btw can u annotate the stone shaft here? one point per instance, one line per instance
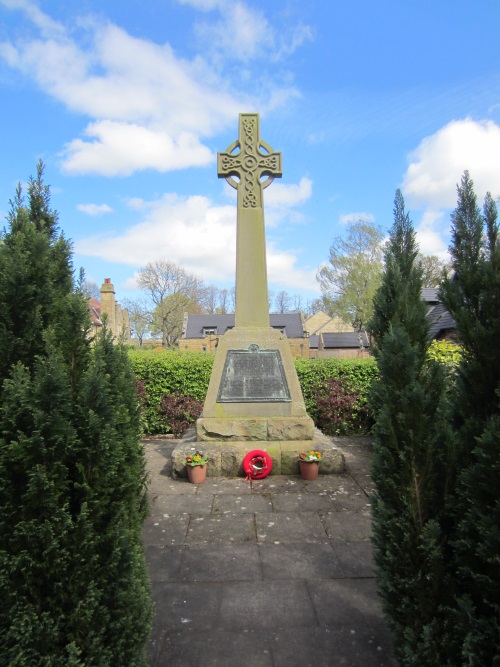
(243, 170)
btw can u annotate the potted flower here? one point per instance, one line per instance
(196, 466)
(309, 464)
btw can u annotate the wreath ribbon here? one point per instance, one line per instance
(257, 464)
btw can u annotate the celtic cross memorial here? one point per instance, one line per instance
(249, 165)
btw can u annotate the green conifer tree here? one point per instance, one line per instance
(73, 582)
(410, 453)
(472, 296)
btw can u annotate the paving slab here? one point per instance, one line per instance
(181, 605)
(340, 526)
(165, 531)
(269, 573)
(290, 527)
(265, 605)
(216, 648)
(300, 561)
(222, 529)
(185, 505)
(330, 647)
(164, 563)
(222, 562)
(301, 502)
(355, 502)
(280, 484)
(166, 486)
(356, 558)
(244, 504)
(332, 484)
(221, 486)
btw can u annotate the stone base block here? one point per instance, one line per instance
(242, 429)
(225, 458)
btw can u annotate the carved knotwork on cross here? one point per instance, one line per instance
(250, 164)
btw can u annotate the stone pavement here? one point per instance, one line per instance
(273, 573)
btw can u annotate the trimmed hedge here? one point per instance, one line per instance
(162, 372)
(353, 374)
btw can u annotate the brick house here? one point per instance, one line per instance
(442, 324)
(117, 318)
(201, 332)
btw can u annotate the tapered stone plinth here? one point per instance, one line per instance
(254, 420)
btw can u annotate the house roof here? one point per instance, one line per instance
(440, 320)
(95, 310)
(430, 295)
(195, 325)
(320, 322)
(343, 340)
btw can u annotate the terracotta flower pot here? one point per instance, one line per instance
(197, 474)
(309, 470)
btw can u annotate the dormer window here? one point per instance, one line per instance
(209, 331)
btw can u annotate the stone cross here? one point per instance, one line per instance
(254, 161)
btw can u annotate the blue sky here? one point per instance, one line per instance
(128, 104)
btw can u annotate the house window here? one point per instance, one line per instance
(209, 331)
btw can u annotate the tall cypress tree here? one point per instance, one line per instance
(472, 296)
(73, 582)
(410, 453)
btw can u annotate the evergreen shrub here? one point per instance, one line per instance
(74, 589)
(412, 453)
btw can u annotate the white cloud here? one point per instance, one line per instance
(244, 33)
(280, 195)
(430, 232)
(133, 88)
(121, 149)
(39, 18)
(349, 218)
(94, 209)
(195, 233)
(439, 161)
(282, 271)
(203, 5)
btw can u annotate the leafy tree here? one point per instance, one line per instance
(350, 281)
(472, 297)
(433, 270)
(73, 582)
(411, 454)
(172, 291)
(140, 317)
(168, 317)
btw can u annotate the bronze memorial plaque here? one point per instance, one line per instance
(253, 376)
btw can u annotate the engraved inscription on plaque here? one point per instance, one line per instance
(253, 376)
